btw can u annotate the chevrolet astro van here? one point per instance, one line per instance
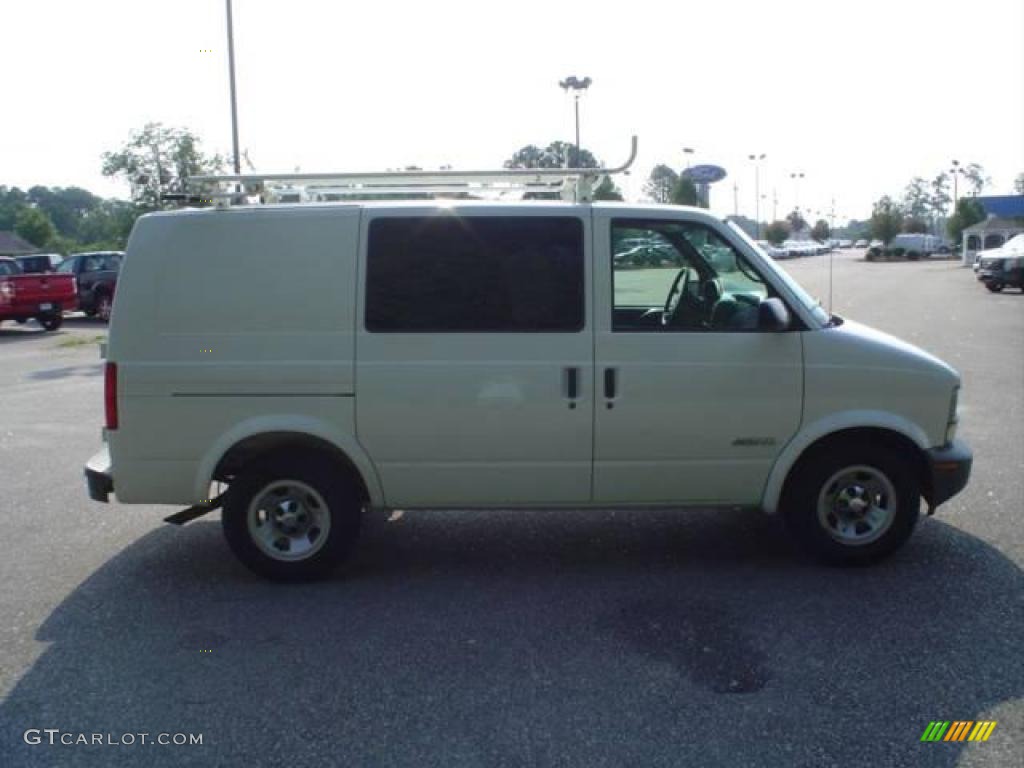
(321, 359)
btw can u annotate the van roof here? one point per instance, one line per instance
(271, 209)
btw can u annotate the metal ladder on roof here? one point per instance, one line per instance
(572, 184)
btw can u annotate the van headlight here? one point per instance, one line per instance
(953, 418)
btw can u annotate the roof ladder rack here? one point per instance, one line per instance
(573, 184)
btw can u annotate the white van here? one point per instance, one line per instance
(321, 359)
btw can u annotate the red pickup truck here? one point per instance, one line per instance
(44, 297)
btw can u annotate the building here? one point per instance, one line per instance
(1005, 219)
(12, 245)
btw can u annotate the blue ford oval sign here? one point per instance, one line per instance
(705, 174)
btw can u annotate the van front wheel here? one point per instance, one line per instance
(292, 519)
(853, 505)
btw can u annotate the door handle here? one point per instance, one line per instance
(572, 383)
(610, 382)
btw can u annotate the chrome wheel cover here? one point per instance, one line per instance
(288, 521)
(857, 505)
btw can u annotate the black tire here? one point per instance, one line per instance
(91, 312)
(20, 320)
(104, 305)
(913, 255)
(810, 482)
(51, 322)
(994, 287)
(340, 504)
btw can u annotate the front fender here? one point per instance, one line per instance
(830, 424)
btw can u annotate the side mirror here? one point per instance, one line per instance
(772, 315)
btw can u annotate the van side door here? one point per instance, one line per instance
(475, 355)
(695, 400)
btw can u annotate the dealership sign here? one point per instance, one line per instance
(704, 174)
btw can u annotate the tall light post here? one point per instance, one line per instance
(756, 159)
(576, 86)
(234, 105)
(956, 170)
(688, 151)
(796, 176)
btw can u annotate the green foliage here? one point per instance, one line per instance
(554, 155)
(796, 221)
(685, 192)
(34, 226)
(157, 160)
(886, 219)
(776, 232)
(661, 184)
(914, 225)
(968, 213)
(917, 198)
(820, 231)
(607, 190)
(976, 178)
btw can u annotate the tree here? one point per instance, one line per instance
(917, 198)
(685, 192)
(797, 222)
(554, 155)
(968, 213)
(1018, 184)
(34, 226)
(886, 219)
(912, 224)
(661, 184)
(940, 197)
(975, 176)
(607, 190)
(157, 160)
(821, 231)
(776, 232)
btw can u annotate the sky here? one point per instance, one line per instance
(860, 96)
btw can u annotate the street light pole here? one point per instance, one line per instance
(576, 85)
(757, 190)
(234, 104)
(796, 176)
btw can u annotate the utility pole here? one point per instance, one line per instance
(576, 86)
(757, 189)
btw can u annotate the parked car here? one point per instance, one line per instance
(39, 262)
(43, 297)
(473, 355)
(96, 273)
(1003, 267)
(774, 251)
(861, 244)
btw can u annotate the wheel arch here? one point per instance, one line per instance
(886, 428)
(259, 437)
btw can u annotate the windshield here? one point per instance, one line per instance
(794, 287)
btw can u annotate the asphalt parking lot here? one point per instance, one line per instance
(521, 638)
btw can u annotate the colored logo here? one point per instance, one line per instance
(958, 730)
(704, 174)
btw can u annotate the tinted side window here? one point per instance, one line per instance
(475, 274)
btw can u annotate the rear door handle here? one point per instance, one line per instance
(572, 383)
(610, 382)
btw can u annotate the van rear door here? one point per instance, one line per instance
(475, 355)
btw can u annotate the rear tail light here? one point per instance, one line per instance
(110, 395)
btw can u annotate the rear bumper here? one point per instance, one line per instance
(949, 469)
(98, 477)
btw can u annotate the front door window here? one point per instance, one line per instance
(680, 276)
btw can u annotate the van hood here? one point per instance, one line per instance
(862, 345)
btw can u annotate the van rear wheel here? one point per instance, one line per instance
(853, 505)
(293, 518)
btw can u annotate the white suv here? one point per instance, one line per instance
(321, 359)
